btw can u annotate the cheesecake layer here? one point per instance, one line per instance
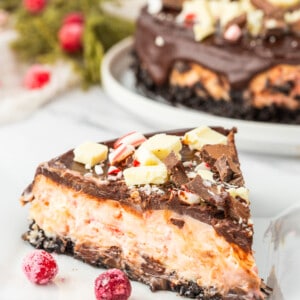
(155, 243)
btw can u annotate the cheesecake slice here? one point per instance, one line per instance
(170, 209)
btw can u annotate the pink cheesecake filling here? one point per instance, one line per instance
(193, 249)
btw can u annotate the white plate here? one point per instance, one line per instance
(118, 81)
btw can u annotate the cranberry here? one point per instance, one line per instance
(40, 267)
(74, 17)
(112, 285)
(70, 37)
(34, 6)
(36, 77)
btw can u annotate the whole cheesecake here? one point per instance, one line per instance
(170, 209)
(238, 59)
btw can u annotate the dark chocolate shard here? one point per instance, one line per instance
(237, 209)
(223, 168)
(173, 4)
(176, 169)
(208, 192)
(229, 171)
(210, 153)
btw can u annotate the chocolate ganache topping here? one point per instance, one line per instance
(219, 207)
(160, 41)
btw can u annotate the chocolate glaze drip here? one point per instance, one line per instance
(238, 62)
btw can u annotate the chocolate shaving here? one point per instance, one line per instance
(176, 169)
(207, 193)
(223, 168)
(174, 4)
(210, 153)
(229, 171)
(237, 210)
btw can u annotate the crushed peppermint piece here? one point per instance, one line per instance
(98, 170)
(148, 189)
(133, 138)
(112, 170)
(136, 163)
(88, 174)
(154, 6)
(191, 174)
(202, 166)
(189, 197)
(120, 153)
(190, 19)
(233, 33)
(188, 164)
(159, 41)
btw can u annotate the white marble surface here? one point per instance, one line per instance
(79, 116)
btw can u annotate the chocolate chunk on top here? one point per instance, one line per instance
(174, 4)
(208, 193)
(236, 209)
(229, 171)
(176, 169)
(224, 161)
(210, 153)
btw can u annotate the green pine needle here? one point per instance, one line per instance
(38, 34)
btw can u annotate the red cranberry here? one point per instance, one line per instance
(34, 6)
(40, 267)
(74, 17)
(112, 285)
(70, 37)
(36, 77)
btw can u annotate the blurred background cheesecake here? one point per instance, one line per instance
(237, 59)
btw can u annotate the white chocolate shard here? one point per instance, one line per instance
(145, 157)
(206, 175)
(242, 192)
(161, 145)
(189, 198)
(201, 136)
(90, 153)
(255, 21)
(146, 175)
(204, 19)
(292, 17)
(230, 11)
(202, 32)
